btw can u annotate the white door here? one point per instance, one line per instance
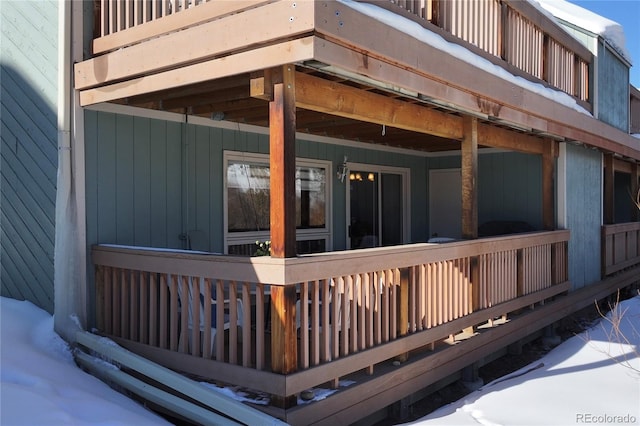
(445, 203)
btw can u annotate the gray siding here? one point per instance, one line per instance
(583, 213)
(613, 89)
(28, 80)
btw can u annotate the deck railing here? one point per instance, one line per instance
(514, 31)
(119, 15)
(361, 301)
(620, 247)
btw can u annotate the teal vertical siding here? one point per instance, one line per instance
(133, 173)
(613, 89)
(160, 183)
(28, 87)
(583, 211)
(509, 186)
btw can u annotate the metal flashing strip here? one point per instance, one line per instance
(239, 413)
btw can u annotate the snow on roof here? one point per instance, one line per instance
(434, 40)
(610, 30)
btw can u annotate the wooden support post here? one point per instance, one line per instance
(470, 198)
(548, 185)
(609, 188)
(282, 145)
(284, 341)
(470, 178)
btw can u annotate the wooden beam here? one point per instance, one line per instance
(470, 178)
(203, 98)
(498, 137)
(548, 185)
(246, 61)
(282, 143)
(269, 24)
(261, 85)
(620, 165)
(609, 189)
(320, 95)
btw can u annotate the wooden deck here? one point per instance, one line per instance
(351, 312)
(516, 33)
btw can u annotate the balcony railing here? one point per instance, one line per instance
(620, 247)
(513, 31)
(354, 309)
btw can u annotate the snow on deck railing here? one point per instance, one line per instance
(505, 30)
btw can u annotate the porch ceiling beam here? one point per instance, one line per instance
(320, 95)
(195, 89)
(242, 108)
(497, 137)
(203, 98)
(622, 166)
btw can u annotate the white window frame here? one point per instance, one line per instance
(250, 237)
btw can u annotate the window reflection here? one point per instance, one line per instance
(248, 197)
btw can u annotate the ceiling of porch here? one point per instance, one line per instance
(229, 99)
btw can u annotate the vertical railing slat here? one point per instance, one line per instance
(143, 306)
(233, 322)
(174, 313)
(207, 296)
(220, 297)
(247, 346)
(260, 326)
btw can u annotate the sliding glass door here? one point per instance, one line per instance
(376, 207)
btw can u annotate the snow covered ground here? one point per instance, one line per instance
(593, 378)
(41, 384)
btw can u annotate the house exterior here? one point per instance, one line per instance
(434, 188)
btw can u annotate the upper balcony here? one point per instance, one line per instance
(164, 54)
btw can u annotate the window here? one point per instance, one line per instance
(247, 201)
